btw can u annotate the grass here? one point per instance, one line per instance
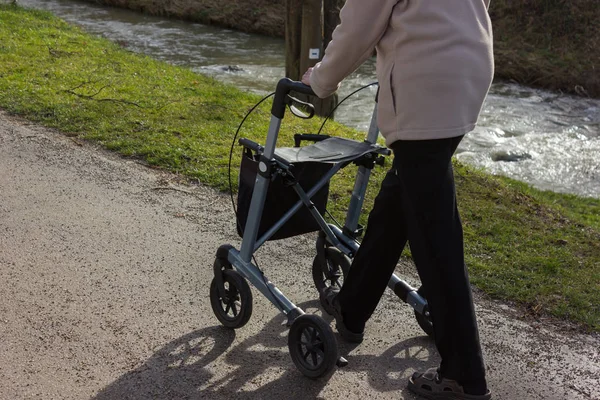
(170, 117)
(539, 249)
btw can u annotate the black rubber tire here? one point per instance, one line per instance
(235, 309)
(332, 271)
(312, 345)
(423, 320)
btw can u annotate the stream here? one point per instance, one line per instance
(547, 139)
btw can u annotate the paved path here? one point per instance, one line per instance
(104, 273)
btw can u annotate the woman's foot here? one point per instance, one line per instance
(431, 385)
(331, 305)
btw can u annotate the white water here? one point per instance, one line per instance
(549, 140)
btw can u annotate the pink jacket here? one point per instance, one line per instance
(434, 63)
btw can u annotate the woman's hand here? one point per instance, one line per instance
(306, 76)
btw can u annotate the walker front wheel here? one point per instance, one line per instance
(232, 303)
(312, 345)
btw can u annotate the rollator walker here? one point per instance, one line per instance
(282, 193)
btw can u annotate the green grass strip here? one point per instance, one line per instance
(539, 249)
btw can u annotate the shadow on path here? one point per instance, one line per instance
(259, 367)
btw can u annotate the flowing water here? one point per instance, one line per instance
(549, 140)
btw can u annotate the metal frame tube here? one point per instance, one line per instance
(350, 243)
(260, 194)
(260, 282)
(362, 181)
(412, 297)
(322, 182)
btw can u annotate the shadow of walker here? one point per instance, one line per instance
(259, 367)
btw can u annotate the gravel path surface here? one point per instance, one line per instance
(104, 273)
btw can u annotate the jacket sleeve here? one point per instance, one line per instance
(363, 23)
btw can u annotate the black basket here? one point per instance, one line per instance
(281, 197)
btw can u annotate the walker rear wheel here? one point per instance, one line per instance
(312, 345)
(232, 304)
(331, 269)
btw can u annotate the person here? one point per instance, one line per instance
(434, 67)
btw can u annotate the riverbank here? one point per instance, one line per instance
(523, 244)
(550, 45)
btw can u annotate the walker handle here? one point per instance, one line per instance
(284, 87)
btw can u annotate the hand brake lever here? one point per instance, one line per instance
(292, 102)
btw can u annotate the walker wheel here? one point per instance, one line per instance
(424, 320)
(234, 308)
(331, 270)
(312, 345)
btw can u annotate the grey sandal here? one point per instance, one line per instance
(432, 386)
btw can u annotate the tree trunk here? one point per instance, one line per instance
(304, 37)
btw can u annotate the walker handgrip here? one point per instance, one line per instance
(284, 87)
(249, 144)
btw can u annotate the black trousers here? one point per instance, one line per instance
(417, 203)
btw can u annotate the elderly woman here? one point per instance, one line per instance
(435, 67)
